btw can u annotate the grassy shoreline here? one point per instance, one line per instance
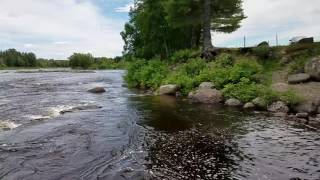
(244, 74)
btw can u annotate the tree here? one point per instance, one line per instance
(83, 61)
(160, 27)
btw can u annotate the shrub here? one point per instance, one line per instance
(224, 60)
(186, 75)
(78, 60)
(291, 98)
(262, 52)
(249, 69)
(185, 55)
(297, 66)
(146, 74)
(220, 76)
(245, 90)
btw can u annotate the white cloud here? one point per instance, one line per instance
(124, 9)
(28, 45)
(266, 18)
(58, 28)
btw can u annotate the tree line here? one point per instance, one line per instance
(14, 58)
(161, 27)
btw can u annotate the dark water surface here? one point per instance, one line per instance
(104, 136)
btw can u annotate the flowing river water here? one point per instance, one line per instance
(52, 128)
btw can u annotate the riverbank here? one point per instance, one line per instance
(281, 80)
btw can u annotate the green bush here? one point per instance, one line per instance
(185, 55)
(146, 74)
(249, 69)
(220, 76)
(106, 63)
(262, 52)
(82, 61)
(297, 65)
(245, 90)
(224, 60)
(186, 75)
(291, 98)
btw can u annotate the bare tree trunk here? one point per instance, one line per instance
(207, 42)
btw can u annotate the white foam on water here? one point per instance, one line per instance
(8, 125)
(37, 117)
(56, 111)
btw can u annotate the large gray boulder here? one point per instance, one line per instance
(169, 89)
(233, 102)
(278, 107)
(313, 68)
(260, 103)
(207, 96)
(298, 78)
(206, 85)
(97, 90)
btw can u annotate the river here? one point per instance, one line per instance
(52, 128)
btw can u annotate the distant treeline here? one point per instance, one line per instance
(87, 61)
(12, 58)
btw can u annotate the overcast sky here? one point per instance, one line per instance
(57, 28)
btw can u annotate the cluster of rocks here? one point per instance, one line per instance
(311, 72)
(192, 154)
(207, 94)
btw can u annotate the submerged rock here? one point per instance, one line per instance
(207, 96)
(170, 89)
(206, 85)
(298, 78)
(97, 90)
(313, 68)
(302, 115)
(80, 108)
(278, 107)
(233, 102)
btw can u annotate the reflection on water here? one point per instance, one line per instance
(67, 133)
(262, 147)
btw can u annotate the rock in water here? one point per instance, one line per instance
(302, 115)
(233, 102)
(206, 85)
(298, 78)
(313, 68)
(278, 107)
(207, 96)
(260, 103)
(249, 105)
(97, 90)
(169, 89)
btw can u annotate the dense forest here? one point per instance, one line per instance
(159, 28)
